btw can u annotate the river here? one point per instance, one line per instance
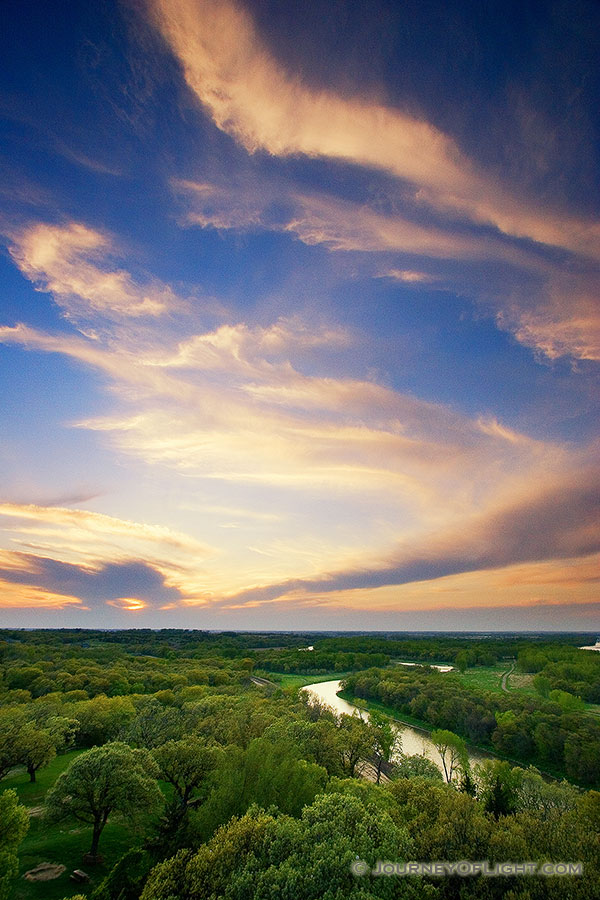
(414, 740)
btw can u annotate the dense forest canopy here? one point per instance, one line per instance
(188, 765)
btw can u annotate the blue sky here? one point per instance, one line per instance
(299, 315)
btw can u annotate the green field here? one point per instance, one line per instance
(290, 680)
(62, 844)
(486, 678)
(489, 678)
(520, 682)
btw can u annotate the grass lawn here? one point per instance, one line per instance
(486, 678)
(33, 794)
(519, 682)
(64, 843)
(290, 680)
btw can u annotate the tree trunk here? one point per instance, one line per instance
(445, 768)
(31, 772)
(96, 838)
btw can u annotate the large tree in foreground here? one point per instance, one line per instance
(310, 858)
(14, 823)
(102, 781)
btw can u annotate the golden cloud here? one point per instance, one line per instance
(249, 95)
(70, 261)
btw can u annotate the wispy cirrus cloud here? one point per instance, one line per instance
(547, 306)
(340, 225)
(76, 264)
(250, 95)
(239, 405)
(229, 404)
(96, 532)
(408, 276)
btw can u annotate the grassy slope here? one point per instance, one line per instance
(65, 843)
(288, 680)
(488, 678)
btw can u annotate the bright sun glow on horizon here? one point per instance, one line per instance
(295, 335)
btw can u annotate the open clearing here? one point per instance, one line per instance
(61, 845)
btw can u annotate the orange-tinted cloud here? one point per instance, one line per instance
(73, 262)
(52, 582)
(444, 493)
(547, 307)
(560, 521)
(249, 95)
(26, 596)
(131, 604)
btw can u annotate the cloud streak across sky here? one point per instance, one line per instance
(250, 95)
(322, 358)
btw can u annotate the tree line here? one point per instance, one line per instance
(528, 728)
(236, 791)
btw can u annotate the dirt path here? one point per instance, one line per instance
(262, 682)
(503, 683)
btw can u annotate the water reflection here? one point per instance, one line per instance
(415, 741)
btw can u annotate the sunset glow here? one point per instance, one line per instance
(294, 335)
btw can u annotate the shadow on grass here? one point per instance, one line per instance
(63, 843)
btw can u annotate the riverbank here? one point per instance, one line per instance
(292, 680)
(426, 728)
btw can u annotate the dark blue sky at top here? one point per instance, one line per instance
(79, 84)
(98, 126)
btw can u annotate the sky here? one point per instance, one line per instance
(299, 315)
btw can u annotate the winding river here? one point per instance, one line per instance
(414, 740)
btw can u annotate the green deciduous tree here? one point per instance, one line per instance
(154, 725)
(260, 856)
(452, 750)
(11, 721)
(14, 823)
(268, 774)
(462, 660)
(568, 702)
(102, 781)
(387, 742)
(354, 743)
(186, 765)
(418, 767)
(126, 879)
(35, 747)
(102, 718)
(498, 786)
(542, 685)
